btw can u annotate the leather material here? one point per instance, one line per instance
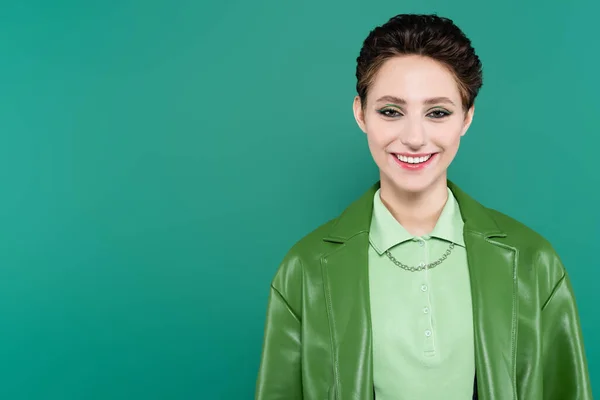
(528, 343)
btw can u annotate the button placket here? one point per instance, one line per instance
(428, 335)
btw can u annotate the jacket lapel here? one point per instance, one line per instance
(346, 282)
(492, 267)
(493, 273)
(345, 276)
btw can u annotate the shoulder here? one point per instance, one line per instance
(521, 234)
(304, 254)
(533, 249)
(302, 262)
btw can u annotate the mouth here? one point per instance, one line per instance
(414, 162)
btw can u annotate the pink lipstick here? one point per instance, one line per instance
(414, 162)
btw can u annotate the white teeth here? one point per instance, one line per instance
(413, 160)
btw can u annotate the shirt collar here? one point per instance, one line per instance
(386, 232)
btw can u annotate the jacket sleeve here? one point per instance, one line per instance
(565, 366)
(279, 376)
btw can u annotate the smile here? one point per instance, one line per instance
(414, 160)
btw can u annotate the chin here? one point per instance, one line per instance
(413, 185)
(413, 188)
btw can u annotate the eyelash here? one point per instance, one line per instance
(384, 112)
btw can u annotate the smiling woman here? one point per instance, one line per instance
(419, 131)
(417, 291)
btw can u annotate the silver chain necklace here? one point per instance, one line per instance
(421, 267)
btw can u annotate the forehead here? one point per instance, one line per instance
(414, 78)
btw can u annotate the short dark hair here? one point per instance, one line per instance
(421, 34)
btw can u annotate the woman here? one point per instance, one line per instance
(417, 291)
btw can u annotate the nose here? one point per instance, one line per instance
(414, 135)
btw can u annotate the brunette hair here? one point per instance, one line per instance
(426, 35)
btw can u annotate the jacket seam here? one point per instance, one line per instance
(554, 290)
(287, 305)
(332, 329)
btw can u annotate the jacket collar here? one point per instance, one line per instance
(356, 218)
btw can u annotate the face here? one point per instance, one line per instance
(414, 120)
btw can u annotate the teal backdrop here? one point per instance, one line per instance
(158, 159)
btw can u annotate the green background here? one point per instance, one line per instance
(157, 160)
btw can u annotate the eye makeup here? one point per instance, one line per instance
(390, 110)
(439, 113)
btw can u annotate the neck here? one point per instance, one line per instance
(418, 212)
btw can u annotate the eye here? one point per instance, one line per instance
(439, 114)
(389, 112)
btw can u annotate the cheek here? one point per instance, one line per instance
(381, 133)
(447, 135)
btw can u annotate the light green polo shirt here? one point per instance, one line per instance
(422, 321)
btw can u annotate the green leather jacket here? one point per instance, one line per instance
(528, 343)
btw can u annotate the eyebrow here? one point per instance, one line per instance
(431, 101)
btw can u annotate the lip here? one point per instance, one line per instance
(414, 167)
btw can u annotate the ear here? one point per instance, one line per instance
(468, 119)
(359, 115)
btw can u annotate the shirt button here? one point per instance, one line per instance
(426, 310)
(423, 288)
(422, 265)
(421, 243)
(428, 333)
